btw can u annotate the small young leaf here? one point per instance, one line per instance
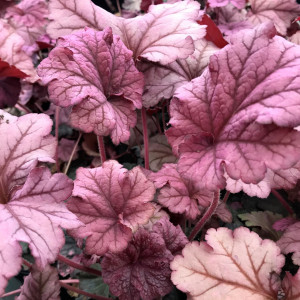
(238, 264)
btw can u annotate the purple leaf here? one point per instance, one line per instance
(219, 3)
(291, 285)
(141, 270)
(112, 202)
(41, 285)
(65, 149)
(100, 79)
(153, 41)
(228, 119)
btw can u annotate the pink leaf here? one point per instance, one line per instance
(65, 149)
(174, 237)
(229, 117)
(160, 152)
(100, 79)
(291, 286)
(238, 264)
(153, 41)
(219, 3)
(283, 224)
(223, 213)
(290, 242)
(162, 80)
(35, 214)
(295, 38)
(41, 285)
(141, 270)
(112, 202)
(280, 12)
(28, 142)
(178, 194)
(11, 44)
(31, 13)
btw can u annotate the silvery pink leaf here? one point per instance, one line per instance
(219, 3)
(280, 12)
(11, 44)
(65, 148)
(41, 285)
(291, 285)
(173, 236)
(238, 264)
(162, 80)
(100, 79)
(153, 41)
(112, 202)
(230, 117)
(179, 195)
(28, 142)
(141, 271)
(290, 242)
(160, 152)
(34, 214)
(30, 13)
(279, 179)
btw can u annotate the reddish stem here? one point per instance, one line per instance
(207, 215)
(75, 265)
(72, 154)
(146, 141)
(56, 136)
(226, 196)
(81, 292)
(26, 263)
(11, 293)
(282, 201)
(23, 108)
(101, 147)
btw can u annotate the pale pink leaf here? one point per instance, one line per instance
(280, 12)
(295, 38)
(160, 152)
(162, 80)
(290, 242)
(36, 211)
(228, 119)
(65, 148)
(112, 202)
(174, 237)
(11, 45)
(153, 41)
(30, 13)
(279, 179)
(238, 264)
(179, 195)
(100, 79)
(158, 214)
(41, 285)
(291, 286)
(219, 3)
(141, 271)
(28, 142)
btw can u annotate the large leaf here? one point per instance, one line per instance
(35, 214)
(179, 195)
(28, 142)
(100, 79)
(141, 271)
(290, 242)
(112, 202)
(41, 285)
(280, 12)
(237, 264)
(162, 80)
(154, 40)
(230, 117)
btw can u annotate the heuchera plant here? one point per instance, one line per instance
(150, 153)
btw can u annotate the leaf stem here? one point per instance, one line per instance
(23, 108)
(56, 136)
(146, 141)
(282, 201)
(26, 263)
(207, 215)
(75, 265)
(101, 147)
(227, 194)
(81, 292)
(11, 293)
(72, 154)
